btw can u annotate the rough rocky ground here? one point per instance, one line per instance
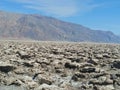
(59, 66)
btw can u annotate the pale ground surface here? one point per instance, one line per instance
(34, 65)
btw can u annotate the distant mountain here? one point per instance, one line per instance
(37, 27)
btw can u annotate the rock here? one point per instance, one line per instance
(106, 56)
(36, 75)
(102, 78)
(59, 70)
(71, 65)
(65, 84)
(6, 68)
(99, 56)
(87, 70)
(118, 75)
(116, 64)
(95, 87)
(113, 76)
(44, 80)
(43, 61)
(28, 64)
(28, 82)
(76, 76)
(19, 71)
(73, 59)
(93, 61)
(48, 87)
(26, 79)
(108, 87)
(98, 70)
(32, 85)
(16, 83)
(23, 55)
(82, 65)
(97, 75)
(104, 81)
(8, 51)
(12, 87)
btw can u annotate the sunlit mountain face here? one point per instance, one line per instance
(38, 27)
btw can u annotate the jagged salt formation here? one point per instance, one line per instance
(59, 66)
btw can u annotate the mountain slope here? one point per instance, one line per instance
(37, 27)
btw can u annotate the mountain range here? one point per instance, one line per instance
(43, 28)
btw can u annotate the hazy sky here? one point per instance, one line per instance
(95, 14)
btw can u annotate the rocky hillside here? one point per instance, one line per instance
(37, 27)
(59, 66)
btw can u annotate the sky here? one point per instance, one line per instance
(94, 14)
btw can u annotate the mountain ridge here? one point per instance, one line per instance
(38, 27)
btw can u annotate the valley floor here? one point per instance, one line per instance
(31, 65)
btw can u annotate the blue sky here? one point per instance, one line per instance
(95, 14)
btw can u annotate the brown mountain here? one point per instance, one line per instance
(37, 27)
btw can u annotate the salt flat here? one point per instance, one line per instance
(35, 65)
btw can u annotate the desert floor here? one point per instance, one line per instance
(34, 65)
